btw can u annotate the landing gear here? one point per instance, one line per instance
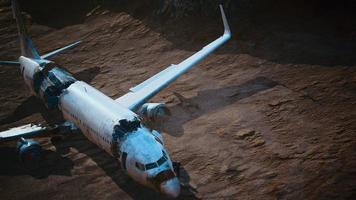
(176, 168)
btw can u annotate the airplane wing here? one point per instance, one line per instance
(29, 130)
(141, 93)
(36, 130)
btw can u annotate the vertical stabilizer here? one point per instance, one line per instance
(27, 47)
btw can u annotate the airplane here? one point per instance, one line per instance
(115, 125)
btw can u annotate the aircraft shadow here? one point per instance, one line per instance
(113, 169)
(52, 163)
(187, 189)
(34, 105)
(88, 74)
(192, 108)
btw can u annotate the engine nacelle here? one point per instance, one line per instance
(154, 112)
(29, 153)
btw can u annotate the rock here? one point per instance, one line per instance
(269, 175)
(258, 142)
(244, 133)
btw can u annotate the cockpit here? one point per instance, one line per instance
(145, 159)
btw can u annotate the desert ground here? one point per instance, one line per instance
(269, 115)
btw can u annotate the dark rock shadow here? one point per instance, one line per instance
(316, 32)
(297, 32)
(52, 163)
(210, 100)
(57, 14)
(112, 168)
(184, 178)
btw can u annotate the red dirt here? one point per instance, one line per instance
(270, 115)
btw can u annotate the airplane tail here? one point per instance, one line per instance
(27, 48)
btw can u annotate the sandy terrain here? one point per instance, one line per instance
(270, 115)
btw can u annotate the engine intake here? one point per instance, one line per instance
(29, 153)
(154, 112)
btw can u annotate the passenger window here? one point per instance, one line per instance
(123, 160)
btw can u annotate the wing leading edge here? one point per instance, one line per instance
(141, 93)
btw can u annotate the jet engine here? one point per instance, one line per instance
(154, 112)
(29, 152)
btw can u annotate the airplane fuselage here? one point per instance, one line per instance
(112, 127)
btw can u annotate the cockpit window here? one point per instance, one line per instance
(161, 160)
(149, 166)
(158, 140)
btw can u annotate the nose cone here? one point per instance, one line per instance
(171, 187)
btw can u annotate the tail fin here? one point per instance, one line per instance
(27, 47)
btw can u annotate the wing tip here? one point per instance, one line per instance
(227, 30)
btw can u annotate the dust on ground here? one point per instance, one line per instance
(270, 115)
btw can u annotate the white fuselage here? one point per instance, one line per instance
(97, 116)
(93, 112)
(115, 129)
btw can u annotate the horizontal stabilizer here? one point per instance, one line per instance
(60, 50)
(9, 63)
